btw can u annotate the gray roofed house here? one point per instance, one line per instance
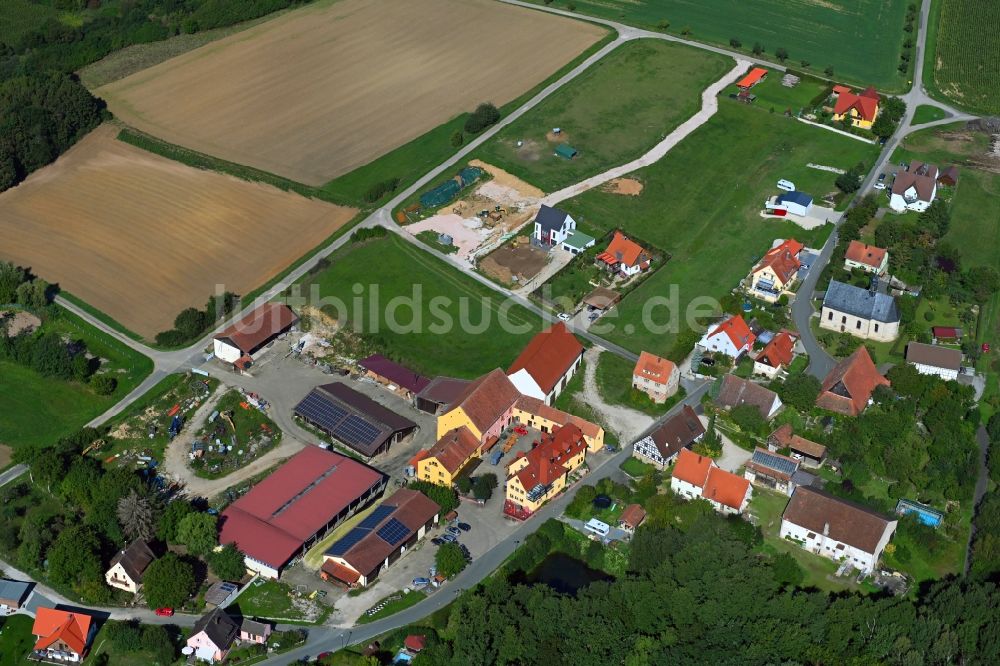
(13, 593)
(796, 197)
(212, 636)
(861, 302)
(553, 226)
(735, 391)
(550, 218)
(680, 431)
(934, 360)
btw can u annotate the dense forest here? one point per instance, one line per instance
(44, 109)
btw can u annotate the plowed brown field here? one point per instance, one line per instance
(327, 88)
(141, 237)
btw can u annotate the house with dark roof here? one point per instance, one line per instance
(547, 363)
(624, 256)
(864, 313)
(944, 362)
(354, 419)
(696, 476)
(439, 394)
(61, 636)
(392, 528)
(243, 342)
(735, 391)
(397, 378)
(552, 226)
(732, 337)
(865, 257)
(948, 176)
(212, 636)
(849, 386)
(835, 528)
(777, 354)
(915, 188)
(776, 472)
(252, 631)
(680, 431)
(292, 508)
(859, 109)
(775, 273)
(795, 203)
(535, 477)
(808, 452)
(128, 566)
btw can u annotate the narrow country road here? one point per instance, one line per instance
(982, 485)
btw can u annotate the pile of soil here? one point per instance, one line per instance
(626, 186)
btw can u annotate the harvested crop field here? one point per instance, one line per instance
(141, 238)
(325, 89)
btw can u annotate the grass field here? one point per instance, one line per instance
(776, 98)
(456, 327)
(926, 114)
(292, 96)
(612, 113)
(861, 39)
(141, 238)
(700, 204)
(15, 639)
(410, 598)
(964, 69)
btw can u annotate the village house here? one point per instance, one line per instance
(809, 453)
(732, 337)
(661, 447)
(776, 472)
(848, 388)
(777, 354)
(243, 343)
(534, 413)
(213, 636)
(445, 460)
(774, 274)
(915, 188)
(632, 517)
(624, 257)
(485, 407)
(859, 109)
(547, 363)
(697, 476)
(61, 636)
(252, 631)
(944, 362)
(871, 259)
(552, 226)
(835, 528)
(128, 566)
(656, 377)
(735, 391)
(864, 313)
(535, 477)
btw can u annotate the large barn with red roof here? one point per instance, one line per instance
(547, 363)
(290, 510)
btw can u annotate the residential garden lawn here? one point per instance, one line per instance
(612, 113)
(798, 365)
(409, 598)
(273, 600)
(38, 410)
(459, 334)
(700, 203)
(103, 652)
(926, 113)
(636, 468)
(614, 381)
(966, 30)
(861, 39)
(773, 97)
(929, 554)
(15, 639)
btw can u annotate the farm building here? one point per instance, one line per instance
(445, 460)
(864, 313)
(866, 257)
(547, 363)
(915, 188)
(753, 77)
(934, 360)
(624, 256)
(861, 109)
(662, 446)
(354, 419)
(291, 509)
(397, 378)
(552, 226)
(848, 388)
(439, 393)
(395, 525)
(244, 341)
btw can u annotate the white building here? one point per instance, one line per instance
(247, 339)
(553, 226)
(915, 188)
(732, 337)
(793, 203)
(836, 529)
(128, 567)
(695, 476)
(934, 360)
(866, 257)
(863, 313)
(547, 364)
(661, 447)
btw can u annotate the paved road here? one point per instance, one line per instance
(12, 473)
(323, 639)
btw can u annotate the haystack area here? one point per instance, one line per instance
(141, 237)
(327, 88)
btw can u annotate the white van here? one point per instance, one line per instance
(786, 185)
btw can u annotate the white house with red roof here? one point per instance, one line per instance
(696, 476)
(624, 256)
(61, 636)
(775, 273)
(777, 354)
(866, 257)
(732, 337)
(244, 341)
(547, 364)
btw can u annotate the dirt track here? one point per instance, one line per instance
(141, 238)
(327, 88)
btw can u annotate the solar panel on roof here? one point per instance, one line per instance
(344, 543)
(393, 532)
(774, 462)
(377, 516)
(321, 412)
(356, 429)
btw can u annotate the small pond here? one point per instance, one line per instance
(562, 573)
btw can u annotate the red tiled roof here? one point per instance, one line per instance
(946, 332)
(546, 462)
(863, 253)
(621, 250)
(415, 642)
(259, 327)
(486, 399)
(654, 367)
(866, 104)
(850, 384)
(692, 468)
(541, 410)
(783, 260)
(633, 515)
(838, 89)
(395, 373)
(272, 521)
(53, 625)
(737, 330)
(725, 488)
(753, 77)
(549, 356)
(340, 572)
(778, 351)
(454, 449)
(784, 437)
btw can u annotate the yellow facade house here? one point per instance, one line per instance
(542, 473)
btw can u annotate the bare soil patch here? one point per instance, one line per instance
(627, 186)
(141, 237)
(512, 264)
(552, 137)
(507, 179)
(17, 322)
(293, 95)
(6, 455)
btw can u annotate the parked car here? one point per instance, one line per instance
(165, 612)
(448, 538)
(421, 582)
(465, 551)
(879, 186)
(465, 527)
(786, 185)
(437, 541)
(565, 316)
(881, 178)
(455, 531)
(521, 430)
(433, 571)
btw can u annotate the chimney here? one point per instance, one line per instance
(826, 529)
